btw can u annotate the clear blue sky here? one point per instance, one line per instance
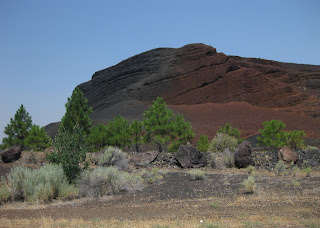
(49, 47)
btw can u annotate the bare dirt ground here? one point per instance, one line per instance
(218, 201)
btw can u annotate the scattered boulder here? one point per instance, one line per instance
(190, 157)
(10, 155)
(287, 156)
(144, 159)
(243, 156)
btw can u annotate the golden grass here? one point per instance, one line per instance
(243, 221)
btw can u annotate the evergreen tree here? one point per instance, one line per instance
(181, 133)
(157, 123)
(17, 129)
(229, 130)
(136, 130)
(273, 134)
(77, 112)
(119, 132)
(70, 149)
(203, 143)
(97, 139)
(37, 138)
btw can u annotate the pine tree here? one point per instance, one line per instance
(38, 138)
(136, 130)
(97, 139)
(229, 130)
(203, 143)
(118, 132)
(157, 123)
(273, 134)
(181, 133)
(17, 129)
(77, 112)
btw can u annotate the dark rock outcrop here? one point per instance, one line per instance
(190, 157)
(10, 155)
(243, 156)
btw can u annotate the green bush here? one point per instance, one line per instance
(212, 160)
(228, 158)
(98, 136)
(222, 142)
(229, 130)
(38, 139)
(5, 193)
(107, 181)
(203, 143)
(250, 169)
(307, 171)
(42, 185)
(197, 174)
(151, 177)
(113, 156)
(273, 135)
(70, 151)
(174, 146)
(249, 184)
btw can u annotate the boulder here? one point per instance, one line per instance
(144, 159)
(190, 157)
(243, 156)
(287, 156)
(10, 155)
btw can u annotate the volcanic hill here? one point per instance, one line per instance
(209, 89)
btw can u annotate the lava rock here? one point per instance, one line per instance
(10, 155)
(190, 157)
(287, 156)
(243, 156)
(144, 159)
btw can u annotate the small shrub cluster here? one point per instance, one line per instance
(251, 170)
(249, 184)
(280, 168)
(152, 177)
(42, 185)
(197, 174)
(107, 181)
(113, 156)
(229, 130)
(5, 193)
(203, 143)
(307, 171)
(222, 142)
(228, 158)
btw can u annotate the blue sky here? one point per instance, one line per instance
(49, 47)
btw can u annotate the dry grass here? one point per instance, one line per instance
(243, 221)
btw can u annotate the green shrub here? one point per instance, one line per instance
(250, 169)
(107, 181)
(280, 168)
(174, 146)
(113, 156)
(98, 136)
(70, 151)
(5, 193)
(222, 142)
(307, 171)
(229, 130)
(274, 135)
(38, 139)
(42, 185)
(294, 170)
(151, 177)
(212, 160)
(68, 191)
(203, 143)
(249, 184)
(295, 183)
(228, 158)
(197, 174)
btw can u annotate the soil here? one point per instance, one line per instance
(219, 196)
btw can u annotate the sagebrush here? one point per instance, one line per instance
(221, 142)
(113, 156)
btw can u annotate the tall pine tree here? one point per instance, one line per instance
(157, 123)
(17, 130)
(77, 112)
